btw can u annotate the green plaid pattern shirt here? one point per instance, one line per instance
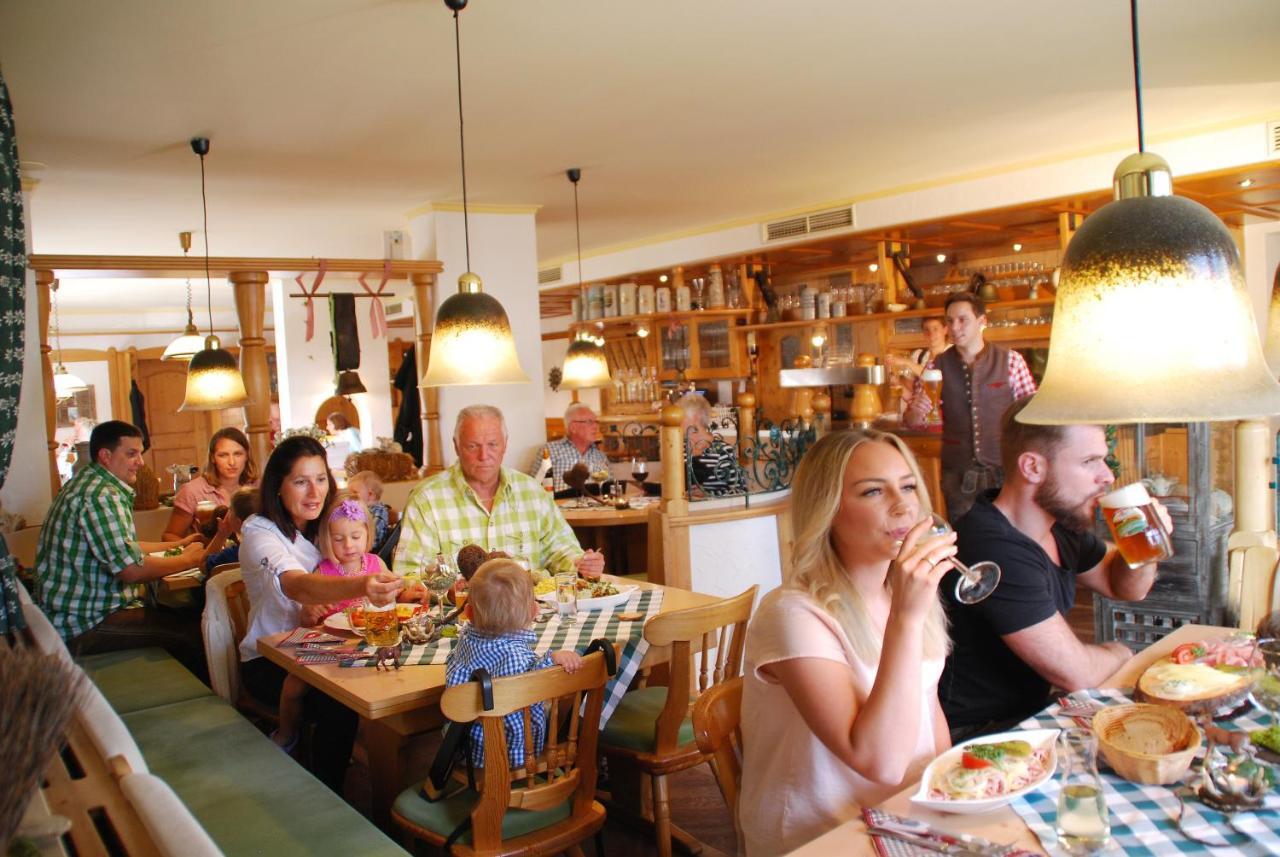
(87, 539)
(443, 514)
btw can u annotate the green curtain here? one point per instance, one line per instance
(13, 311)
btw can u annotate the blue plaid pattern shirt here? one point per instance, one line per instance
(502, 655)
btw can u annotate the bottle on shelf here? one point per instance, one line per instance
(684, 299)
(663, 299)
(715, 288)
(644, 300)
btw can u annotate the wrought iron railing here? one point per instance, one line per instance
(764, 462)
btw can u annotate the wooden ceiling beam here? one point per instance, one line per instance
(179, 267)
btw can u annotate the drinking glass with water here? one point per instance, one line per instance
(1083, 825)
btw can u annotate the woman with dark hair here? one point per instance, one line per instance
(277, 555)
(230, 467)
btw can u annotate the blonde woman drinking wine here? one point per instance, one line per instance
(840, 703)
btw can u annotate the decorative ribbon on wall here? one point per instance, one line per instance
(377, 316)
(310, 293)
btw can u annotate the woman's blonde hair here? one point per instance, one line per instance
(367, 478)
(500, 594)
(345, 505)
(816, 494)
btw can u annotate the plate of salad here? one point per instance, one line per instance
(985, 773)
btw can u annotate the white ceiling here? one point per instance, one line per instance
(330, 119)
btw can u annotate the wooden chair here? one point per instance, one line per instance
(546, 807)
(223, 625)
(717, 727)
(650, 731)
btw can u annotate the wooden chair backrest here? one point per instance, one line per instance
(238, 608)
(566, 768)
(717, 727)
(719, 631)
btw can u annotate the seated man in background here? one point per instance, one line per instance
(89, 559)
(478, 501)
(1010, 649)
(578, 445)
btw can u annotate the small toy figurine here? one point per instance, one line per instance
(385, 654)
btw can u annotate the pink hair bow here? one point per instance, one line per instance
(349, 509)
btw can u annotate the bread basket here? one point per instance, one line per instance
(1152, 744)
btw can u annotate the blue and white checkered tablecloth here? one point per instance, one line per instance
(626, 634)
(1143, 817)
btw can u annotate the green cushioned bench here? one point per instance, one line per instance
(248, 795)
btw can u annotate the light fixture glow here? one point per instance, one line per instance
(642, 330)
(662, 278)
(873, 267)
(1152, 320)
(585, 363)
(1017, 248)
(472, 342)
(1245, 183)
(65, 384)
(942, 257)
(213, 380)
(818, 339)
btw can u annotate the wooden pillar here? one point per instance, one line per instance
(424, 314)
(675, 498)
(1068, 223)
(44, 281)
(250, 288)
(746, 417)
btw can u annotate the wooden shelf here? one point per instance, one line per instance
(994, 306)
(665, 317)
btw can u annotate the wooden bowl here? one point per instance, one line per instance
(1144, 743)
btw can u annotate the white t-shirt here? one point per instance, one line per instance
(265, 554)
(796, 788)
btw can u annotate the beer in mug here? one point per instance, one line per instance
(931, 380)
(1135, 527)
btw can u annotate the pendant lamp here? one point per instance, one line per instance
(186, 345)
(213, 380)
(1152, 321)
(471, 342)
(585, 364)
(349, 383)
(65, 384)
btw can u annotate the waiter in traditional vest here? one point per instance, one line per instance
(979, 380)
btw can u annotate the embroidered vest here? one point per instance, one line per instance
(973, 400)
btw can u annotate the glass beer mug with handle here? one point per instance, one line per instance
(1136, 528)
(381, 624)
(976, 581)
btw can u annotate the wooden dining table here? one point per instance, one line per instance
(1002, 825)
(396, 705)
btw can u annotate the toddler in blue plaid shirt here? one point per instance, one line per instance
(501, 608)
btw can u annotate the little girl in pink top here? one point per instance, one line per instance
(840, 693)
(346, 537)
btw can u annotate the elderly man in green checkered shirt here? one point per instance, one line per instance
(89, 557)
(478, 501)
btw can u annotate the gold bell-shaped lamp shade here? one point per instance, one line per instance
(185, 346)
(349, 383)
(65, 384)
(472, 342)
(1152, 322)
(1272, 347)
(584, 365)
(213, 380)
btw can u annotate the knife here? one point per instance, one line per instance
(912, 827)
(926, 842)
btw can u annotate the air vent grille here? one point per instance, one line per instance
(1273, 138)
(807, 224)
(549, 275)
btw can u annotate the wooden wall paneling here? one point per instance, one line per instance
(176, 437)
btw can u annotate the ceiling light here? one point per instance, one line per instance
(65, 385)
(186, 345)
(349, 383)
(585, 364)
(471, 342)
(642, 330)
(942, 257)
(1245, 182)
(662, 278)
(213, 380)
(1152, 320)
(1017, 248)
(818, 339)
(873, 267)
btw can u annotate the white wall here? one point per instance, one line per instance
(504, 254)
(96, 374)
(727, 557)
(305, 369)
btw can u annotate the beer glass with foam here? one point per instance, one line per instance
(1131, 517)
(931, 380)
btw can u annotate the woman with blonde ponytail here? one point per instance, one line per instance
(840, 703)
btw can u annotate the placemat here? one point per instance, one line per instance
(626, 634)
(1144, 817)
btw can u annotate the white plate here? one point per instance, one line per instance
(338, 622)
(585, 604)
(1037, 738)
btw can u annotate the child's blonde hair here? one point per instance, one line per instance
(500, 595)
(370, 480)
(346, 506)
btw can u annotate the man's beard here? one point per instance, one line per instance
(1077, 518)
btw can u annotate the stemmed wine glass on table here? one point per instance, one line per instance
(639, 472)
(439, 580)
(976, 581)
(1266, 686)
(599, 477)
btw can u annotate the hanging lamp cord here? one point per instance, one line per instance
(191, 320)
(208, 282)
(462, 137)
(577, 231)
(1137, 70)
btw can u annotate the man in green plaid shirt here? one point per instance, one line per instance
(89, 558)
(478, 501)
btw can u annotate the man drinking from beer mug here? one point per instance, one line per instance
(1009, 650)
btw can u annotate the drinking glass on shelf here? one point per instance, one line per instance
(976, 581)
(567, 596)
(1266, 685)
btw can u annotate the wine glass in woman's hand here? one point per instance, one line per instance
(976, 581)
